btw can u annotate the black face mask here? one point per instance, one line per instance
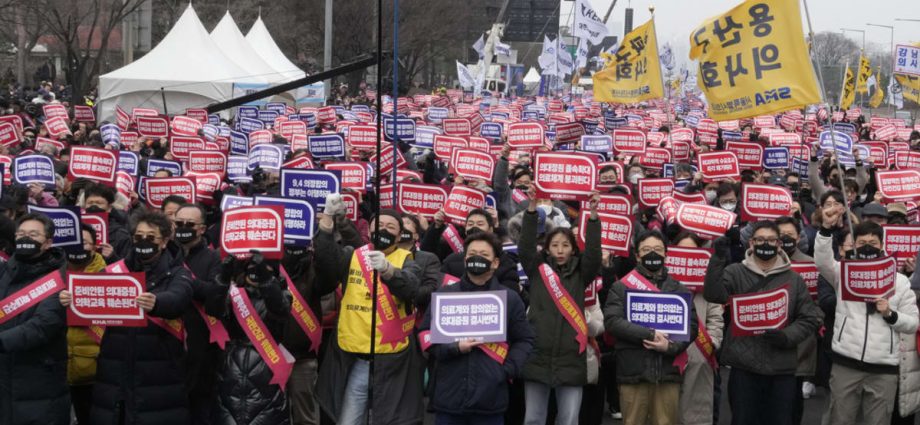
(794, 187)
(27, 247)
(477, 265)
(383, 240)
(867, 252)
(185, 235)
(765, 251)
(145, 250)
(522, 187)
(95, 209)
(405, 236)
(788, 244)
(79, 257)
(653, 261)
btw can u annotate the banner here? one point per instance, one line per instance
(809, 273)
(633, 73)
(33, 169)
(67, 234)
(57, 127)
(611, 203)
(629, 141)
(901, 242)
(457, 315)
(564, 176)
(299, 218)
(715, 166)
(362, 137)
(9, 137)
(461, 201)
(848, 91)
(105, 299)
(707, 221)
(275, 356)
(616, 232)
(100, 223)
(750, 155)
(588, 25)
(269, 157)
(652, 191)
(180, 146)
(668, 313)
(94, 164)
(525, 135)
(753, 60)
(129, 162)
(207, 161)
(354, 174)
(473, 164)
(688, 265)
(444, 146)
(754, 314)
(83, 113)
(865, 70)
(868, 280)
(327, 146)
(157, 189)
(17, 302)
(152, 126)
(185, 126)
(898, 185)
(776, 158)
(154, 165)
(907, 60)
(764, 202)
(310, 185)
(259, 228)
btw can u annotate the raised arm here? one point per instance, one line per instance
(714, 289)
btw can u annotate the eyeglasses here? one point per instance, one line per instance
(759, 240)
(186, 224)
(874, 244)
(148, 238)
(648, 249)
(32, 234)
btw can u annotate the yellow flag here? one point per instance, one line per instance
(848, 92)
(910, 86)
(675, 85)
(877, 97)
(865, 71)
(634, 74)
(753, 60)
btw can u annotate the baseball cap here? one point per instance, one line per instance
(897, 207)
(874, 209)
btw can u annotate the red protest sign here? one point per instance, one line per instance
(105, 299)
(904, 160)
(680, 151)
(362, 137)
(152, 126)
(259, 228)
(8, 135)
(754, 314)
(707, 221)
(809, 273)
(473, 164)
(207, 161)
(157, 189)
(718, 166)
(566, 176)
(868, 280)
(630, 141)
(57, 127)
(688, 265)
(482, 144)
(902, 242)
(351, 205)
(94, 164)
(652, 191)
(354, 174)
(180, 146)
(289, 129)
(750, 155)
(41, 143)
(100, 223)
(611, 203)
(55, 110)
(461, 201)
(525, 135)
(764, 202)
(689, 198)
(765, 121)
(199, 114)
(444, 146)
(422, 199)
(682, 135)
(655, 158)
(457, 127)
(898, 185)
(389, 158)
(569, 132)
(185, 126)
(616, 232)
(785, 139)
(205, 186)
(83, 113)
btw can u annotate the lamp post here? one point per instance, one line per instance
(861, 52)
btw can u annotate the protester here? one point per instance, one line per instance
(98, 198)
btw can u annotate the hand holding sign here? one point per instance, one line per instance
(146, 301)
(659, 344)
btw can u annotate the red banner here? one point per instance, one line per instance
(611, 204)
(106, 299)
(25, 298)
(444, 146)
(8, 135)
(785, 139)
(274, 355)
(898, 185)
(205, 186)
(655, 158)
(525, 135)
(100, 223)
(303, 314)
(868, 280)
(754, 314)
(473, 164)
(57, 127)
(902, 242)
(362, 137)
(94, 164)
(716, 166)
(569, 132)
(652, 191)
(180, 146)
(707, 221)
(457, 127)
(207, 161)
(159, 188)
(461, 201)
(630, 141)
(421, 199)
(565, 176)
(764, 202)
(258, 228)
(688, 265)
(810, 274)
(55, 110)
(83, 113)
(750, 155)
(354, 174)
(185, 126)
(616, 232)
(289, 129)
(904, 159)
(152, 126)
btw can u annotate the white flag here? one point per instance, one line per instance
(588, 24)
(480, 46)
(547, 58)
(581, 57)
(870, 82)
(666, 57)
(565, 64)
(465, 76)
(895, 97)
(502, 49)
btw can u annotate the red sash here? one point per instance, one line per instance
(449, 279)
(703, 341)
(304, 315)
(452, 237)
(566, 305)
(95, 333)
(392, 329)
(518, 195)
(216, 329)
(497, 351)
(174, 327)
(31, 295)
(275, 356)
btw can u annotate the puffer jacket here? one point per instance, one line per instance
(555, 360)
(594, 317)
(635, 363)
(753, 353)
(33, 374)
(82, 349)
(863, 339)
(908, 375)
(244, 392)
(140, 378)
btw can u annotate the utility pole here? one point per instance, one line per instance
(327, 49)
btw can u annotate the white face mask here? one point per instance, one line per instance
(728, 206)
(634, 178)
(547, 209)
(710, 196)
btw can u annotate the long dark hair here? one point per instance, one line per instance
(564, 231)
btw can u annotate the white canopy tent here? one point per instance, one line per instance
(263, 43)
(187, 65)
(230, 40)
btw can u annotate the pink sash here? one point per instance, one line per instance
(30, 296)
(452, 237)
(393, 330)
(275, 356)
(566, 305)
(216, 329)
(497, 351)
(303, 315)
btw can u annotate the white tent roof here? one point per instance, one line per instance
(263, 43)
(230, 40)
(532, 76)
(187, 64)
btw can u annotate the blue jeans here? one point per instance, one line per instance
(448, 419)
(354, 407)
(536, 398)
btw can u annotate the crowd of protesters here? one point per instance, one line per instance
(864, 354)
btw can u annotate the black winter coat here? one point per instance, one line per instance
(202, 355)
(506, 273)
(33, 357)
(141, 371)
(244, 394)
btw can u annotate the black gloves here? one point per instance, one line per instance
(776, 338)
(722, 247)
(227, 270)
(257, 271)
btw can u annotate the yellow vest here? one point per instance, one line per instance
(354, 327)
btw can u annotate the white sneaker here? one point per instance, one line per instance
(808, 390)
(616, 415)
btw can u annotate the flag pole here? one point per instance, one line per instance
(811, 36)
(375, 274)
(666, 88)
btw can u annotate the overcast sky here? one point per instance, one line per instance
(674, 19)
